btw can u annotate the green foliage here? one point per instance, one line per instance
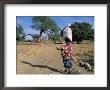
(19, 33)
(82, 31)
(44, 24)
(54, 36)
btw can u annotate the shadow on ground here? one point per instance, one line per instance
(46, 66)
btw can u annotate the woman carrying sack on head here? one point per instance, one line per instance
(66, 49)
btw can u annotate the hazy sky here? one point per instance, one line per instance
(61, 21)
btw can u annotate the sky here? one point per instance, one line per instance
(61, 21)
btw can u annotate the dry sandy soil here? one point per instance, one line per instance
(46, 59)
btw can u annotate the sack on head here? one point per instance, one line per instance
(67, 33)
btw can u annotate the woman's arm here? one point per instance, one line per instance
(73, 58)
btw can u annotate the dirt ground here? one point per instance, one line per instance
(46, 59)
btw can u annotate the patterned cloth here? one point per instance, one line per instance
(67, 50)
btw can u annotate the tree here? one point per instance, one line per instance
(90, 35)
(44, 23)
(34, 36)
(82, 31)
(54, 34)
(19, 32)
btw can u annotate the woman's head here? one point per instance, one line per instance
(67, 40)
